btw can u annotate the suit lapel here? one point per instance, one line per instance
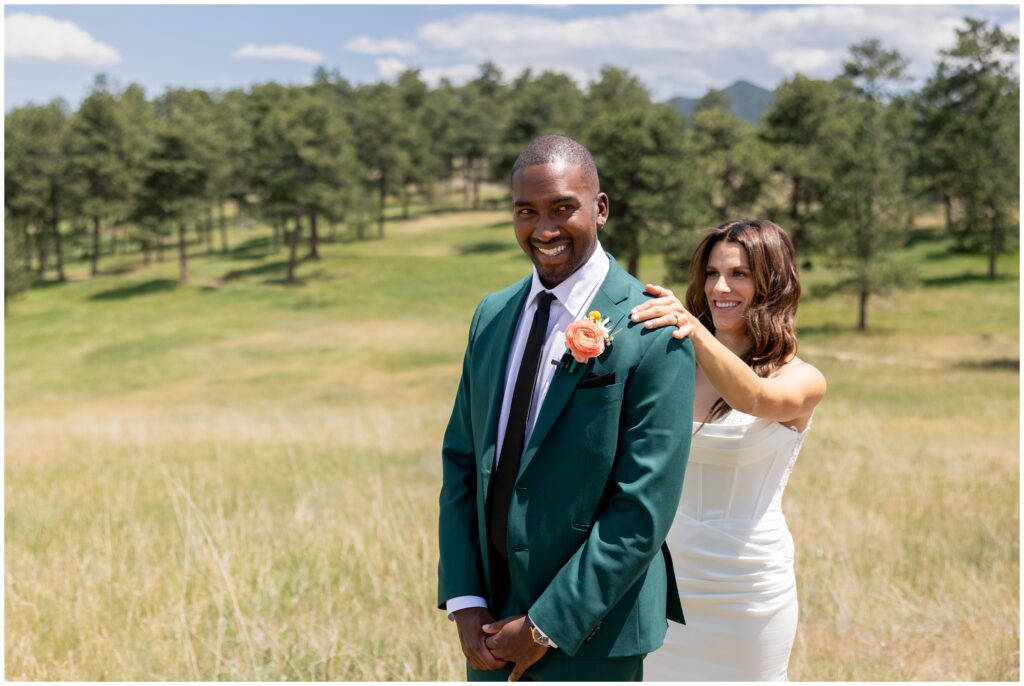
(613, 291)
(496, 339)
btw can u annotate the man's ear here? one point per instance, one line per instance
(602, 209)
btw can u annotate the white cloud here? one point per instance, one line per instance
(281, 51)
(390, 67)
(39, 37)
(689, 47)
(456, 73)
(383, 46)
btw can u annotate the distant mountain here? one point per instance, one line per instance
(748, 101)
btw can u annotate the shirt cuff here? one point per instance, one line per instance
(461, 603)
(541, 632)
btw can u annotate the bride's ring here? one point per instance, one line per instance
(677, 319)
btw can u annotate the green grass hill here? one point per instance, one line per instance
(238, 479)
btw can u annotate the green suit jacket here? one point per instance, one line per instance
(598, 484)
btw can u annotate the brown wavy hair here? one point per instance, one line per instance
(771, 316)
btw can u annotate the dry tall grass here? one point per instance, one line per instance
(227, 547)
(256, 498)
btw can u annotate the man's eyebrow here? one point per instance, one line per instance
(553, 201)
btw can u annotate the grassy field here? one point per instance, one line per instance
(238, 480)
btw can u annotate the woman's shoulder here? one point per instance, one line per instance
(795, 363)
(802, 372)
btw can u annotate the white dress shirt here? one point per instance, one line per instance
(573, 296)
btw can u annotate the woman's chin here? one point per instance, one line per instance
(729, 324)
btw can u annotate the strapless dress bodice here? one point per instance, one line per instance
(738, 468)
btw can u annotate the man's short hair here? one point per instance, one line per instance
(554, 148)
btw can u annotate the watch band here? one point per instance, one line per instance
(540, 638)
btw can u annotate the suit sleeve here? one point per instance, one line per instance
(460, 571)
(654, 443)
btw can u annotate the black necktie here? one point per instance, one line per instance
(515, 429)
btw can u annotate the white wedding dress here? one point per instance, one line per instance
(733, 556)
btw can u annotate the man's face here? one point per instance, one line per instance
(558, 212)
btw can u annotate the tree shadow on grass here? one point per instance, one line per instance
(118, 271)
(942, 255)
(1003, 364)
(278, 269)
(962, 279)
(142, 288)
(919, 236)
(252, 249)
(481, 248)
(40, 284)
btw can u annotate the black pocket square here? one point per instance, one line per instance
(598, 381)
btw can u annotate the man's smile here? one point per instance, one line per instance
(552, 250)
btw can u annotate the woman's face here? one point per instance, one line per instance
(728, 286)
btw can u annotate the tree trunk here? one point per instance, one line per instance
(862, 316)
(314, 240)
(41, 237)
(58, 250)
(380, 209)
(147, 252)
(294, 244)
(477, 175)
(947, 205)
(182, 255)
(209, 231)
(994, 245)
(160, 249)
(27, 252)
(94, 266)
(223, 227)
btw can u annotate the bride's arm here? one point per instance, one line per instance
(791, 393)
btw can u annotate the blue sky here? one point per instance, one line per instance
(56, 50)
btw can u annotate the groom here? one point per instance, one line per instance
(561, 478)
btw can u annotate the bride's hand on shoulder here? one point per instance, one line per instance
(664, 309)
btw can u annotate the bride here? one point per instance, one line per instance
(732, 550)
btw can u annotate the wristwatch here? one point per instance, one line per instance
(540, 638)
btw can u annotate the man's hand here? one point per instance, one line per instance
(469, 622)
(510, 639)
